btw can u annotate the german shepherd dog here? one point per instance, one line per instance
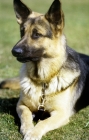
(54, 78)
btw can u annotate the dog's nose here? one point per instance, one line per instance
(16, 51)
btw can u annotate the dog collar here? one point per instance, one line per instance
(42, 97)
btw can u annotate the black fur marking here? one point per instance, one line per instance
(54, 14)
(21, 10)
(83, 83)
(36, 70)
(38, 25)
(2, 84)
(22, 31)
(80, 62)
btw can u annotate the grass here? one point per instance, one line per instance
(77, 33)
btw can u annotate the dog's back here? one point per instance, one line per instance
(83, 101)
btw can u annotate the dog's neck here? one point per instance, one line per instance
(43, 71)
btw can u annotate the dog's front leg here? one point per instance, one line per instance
(56, 120)
(26, 118)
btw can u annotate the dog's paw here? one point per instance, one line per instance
(24, 129)
(32, 136)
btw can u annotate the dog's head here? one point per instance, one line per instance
(39, 33)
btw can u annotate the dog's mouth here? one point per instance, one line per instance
(24, 54)
(27, 59)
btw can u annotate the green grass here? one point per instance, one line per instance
(77, 33)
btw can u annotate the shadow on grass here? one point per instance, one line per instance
(9, 106)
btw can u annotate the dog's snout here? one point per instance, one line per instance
(16, 51)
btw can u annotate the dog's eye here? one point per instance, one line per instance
(36, 35)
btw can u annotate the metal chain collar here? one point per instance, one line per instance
(42, 97)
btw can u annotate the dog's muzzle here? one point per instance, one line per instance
(26, 54)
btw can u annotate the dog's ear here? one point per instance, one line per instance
(21, 11)
(55, 14)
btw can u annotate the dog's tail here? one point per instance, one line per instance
(12, 83)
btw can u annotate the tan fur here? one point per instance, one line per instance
(62, 81)
(11, 83)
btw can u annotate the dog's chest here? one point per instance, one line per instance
(33, 95)
(36, 95)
